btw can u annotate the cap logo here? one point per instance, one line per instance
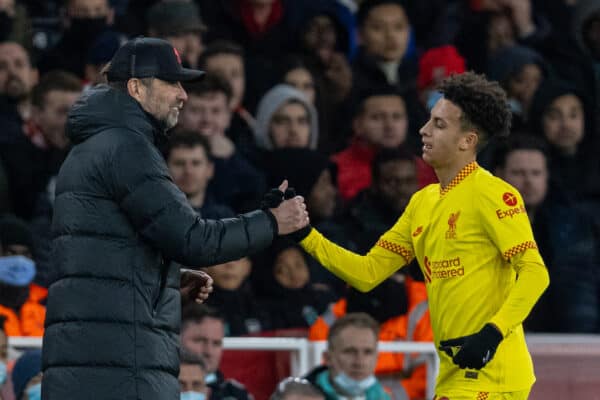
(177, 55)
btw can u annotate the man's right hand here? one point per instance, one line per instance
(291, 214)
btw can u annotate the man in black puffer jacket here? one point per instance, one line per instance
(113, 310)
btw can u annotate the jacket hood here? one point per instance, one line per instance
(101, 108)
(583, 11)
(270, 103)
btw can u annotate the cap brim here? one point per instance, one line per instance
(184, 75)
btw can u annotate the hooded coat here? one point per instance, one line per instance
(270, 103)
(113, 310)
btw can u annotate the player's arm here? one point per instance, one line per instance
(532, 280)
(392, 251)
(509, 228)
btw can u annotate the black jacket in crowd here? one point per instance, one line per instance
(113, 310)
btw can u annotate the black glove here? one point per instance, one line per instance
(475, 350)
(274, 197)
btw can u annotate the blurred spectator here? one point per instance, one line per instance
(178, 21)
(15, 24)
(22, 302)
(27, 376)
(295, 299)
(327, 41)
(264, 28)
(227, 59)
(292, 388)
(384, 32)
(98, 55)
(234, 297)
(561, 115)
(202, 333)
(350, 360)
(520, 70)
(236, 182)
(399, 305)
(286, 118)
(17, 78)
(381, 121)
(312, 175)
(377, 208)
(6, 390)
(85, 21)
(571, 302)
(483, 33)
(192, 377)
(191, 166)
(31, 164)
(298, 73)
(435, 65)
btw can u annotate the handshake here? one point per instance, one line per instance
(288, 210)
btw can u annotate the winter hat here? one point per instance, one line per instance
(508, 61)
(547, 92)
(27, 367)
(14, 230)
(103, 48)
(301, 167)
(438, 63)
(270, 103)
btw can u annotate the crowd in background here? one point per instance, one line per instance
(329, 94)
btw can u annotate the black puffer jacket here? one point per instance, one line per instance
(113, 313)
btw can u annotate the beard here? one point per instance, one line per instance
(171, 119)
(14, 88)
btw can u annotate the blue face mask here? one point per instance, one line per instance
(193, 396)
(352, 386)
(2, 373)
(34, 392)
(432, 98)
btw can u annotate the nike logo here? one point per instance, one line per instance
(418, 231)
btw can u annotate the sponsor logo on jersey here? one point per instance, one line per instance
(511, 212)
(452, 219)
(443, 269)
(509, 199)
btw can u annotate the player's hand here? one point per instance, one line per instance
(195, 285)
(476, 350)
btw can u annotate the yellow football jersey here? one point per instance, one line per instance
(463, 237)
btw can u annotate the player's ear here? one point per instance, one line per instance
(469, 141)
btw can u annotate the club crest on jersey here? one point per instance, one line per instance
(452, 219)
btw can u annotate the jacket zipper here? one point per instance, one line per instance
(162, 281)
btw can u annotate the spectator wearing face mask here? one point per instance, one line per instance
(27, 376)
(350, 359)
(192, 377)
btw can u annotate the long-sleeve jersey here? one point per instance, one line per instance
(474, 243)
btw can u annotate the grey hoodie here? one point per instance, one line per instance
(270, 103)
(583, 10)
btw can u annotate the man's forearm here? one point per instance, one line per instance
(532, 280)
(362, 272)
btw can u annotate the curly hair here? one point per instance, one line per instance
(483, 103)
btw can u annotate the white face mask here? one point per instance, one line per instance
(2, 372)
(352, 386)
(210, 378)
(192, 396)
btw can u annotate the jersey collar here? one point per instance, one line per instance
(462, 174)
